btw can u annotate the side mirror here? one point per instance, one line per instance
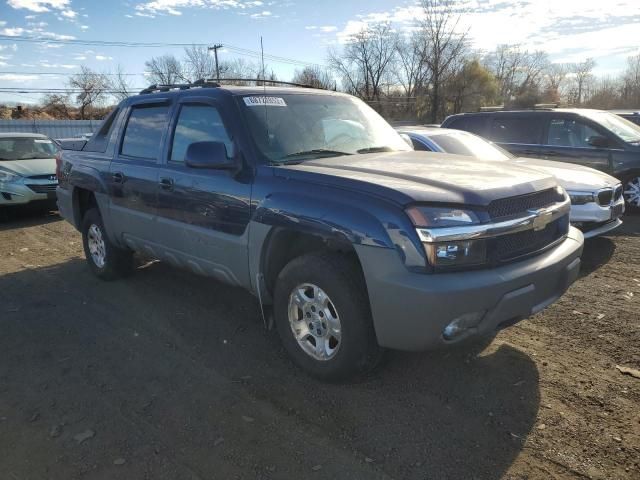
(211, 155)
(598, 141)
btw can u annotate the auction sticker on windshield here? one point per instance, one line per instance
(268, 101)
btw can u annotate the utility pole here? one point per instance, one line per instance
(215, 53)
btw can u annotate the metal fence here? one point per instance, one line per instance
(51, 128)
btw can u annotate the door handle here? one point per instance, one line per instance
(118, 177)
(166, 183)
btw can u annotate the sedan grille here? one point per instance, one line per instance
(50, 188)
(605, 196)
(507, 207)
(617, 194)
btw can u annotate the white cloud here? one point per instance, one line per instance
(11, 77)
(567, 30)
(84, 27)
(69, 14)
(175, 7)
(322, 28)
(46, 64)
(39, 5)
(102, 58)
(263, 14)
(80, 58)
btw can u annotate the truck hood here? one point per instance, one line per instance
(423, 177)
(571, 177)
(30, 167)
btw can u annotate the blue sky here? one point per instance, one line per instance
(303, 30)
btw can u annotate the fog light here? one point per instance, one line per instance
(461, 324)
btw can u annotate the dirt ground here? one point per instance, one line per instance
(167, 375)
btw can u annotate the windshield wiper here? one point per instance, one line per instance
(375, 150)
(317, 151)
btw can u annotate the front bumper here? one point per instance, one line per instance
(594, 219)
(411, 310)
(19, 193)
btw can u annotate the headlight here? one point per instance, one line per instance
(450, 254)
(434, 217)
(581, 198)
(7, 177)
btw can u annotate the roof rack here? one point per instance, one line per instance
(495, 108)
(212, 83)
(178, 86)
(545, 106)
(255, 80)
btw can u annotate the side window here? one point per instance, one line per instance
(419, 146)
(143, 135)
(473, 124)
(198, 123)
(566, 132)
(100, 140)
(513, 129)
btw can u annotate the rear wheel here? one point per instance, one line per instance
(631, 191)
(106, 261)
(323, 318)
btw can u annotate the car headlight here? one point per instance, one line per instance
(581, 198)
(450, 254)
(8, 177)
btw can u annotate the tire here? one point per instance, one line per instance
(106, 261)
(351, 348)
(631, 192)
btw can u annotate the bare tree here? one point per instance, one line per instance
(314, 76)
(409, 64)
(199, 63)
(582, 74)
(119, 84)
(165, 70)
(91, 88)
(444, 47)
(555, 76)
(631, 82)
(365, 60)
(57, 105)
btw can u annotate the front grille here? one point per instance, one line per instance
(617, 194)
(510, 247)
(50, 188)
(605, 196)
(506, 207)
(50, 176)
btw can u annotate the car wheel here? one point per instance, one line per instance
(323, 318)
(106, 261)
(631, 191)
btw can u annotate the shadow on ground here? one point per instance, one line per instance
(176, 374)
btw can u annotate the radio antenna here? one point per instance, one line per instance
(264, 89)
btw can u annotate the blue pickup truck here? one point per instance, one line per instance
(312, 202)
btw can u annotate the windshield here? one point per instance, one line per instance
(26, 148)
(295, 127)
(626, 130)
(462, 143)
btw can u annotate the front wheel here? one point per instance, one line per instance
(631, 191)
(106, 261)
(323, 317)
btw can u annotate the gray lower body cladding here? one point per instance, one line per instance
(411, 310)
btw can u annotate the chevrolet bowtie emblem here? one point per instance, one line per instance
(541, 219)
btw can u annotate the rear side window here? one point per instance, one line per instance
(143, 135)
(100, 140)
(565, 132)
(198, 123)
(473, 124)
(512, 129)
(419, 146)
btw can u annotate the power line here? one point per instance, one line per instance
(109, 43)
(68, 73)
